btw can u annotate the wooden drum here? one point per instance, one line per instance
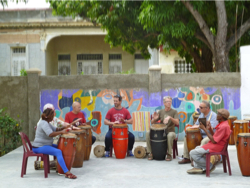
(140, 152)
(193, 138)
(231, 120)
(158, 141)
(99, 151)
(79, 157)
(240, 126)
(87, 141)
(120, 140)
(248, 119)
(243, 153)
(67, 144)
(195, 117)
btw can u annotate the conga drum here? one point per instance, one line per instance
(140, 152)
(240, 126)
(231, 120)
(99, 151)
(120, 140)
(243, 153)
(79, 157)
(87, 141)
(248, 119)
(40, 165)
(67, 144)
(158, 140)
(195, 117)
(193, 137)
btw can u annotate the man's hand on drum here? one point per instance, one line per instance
(165, 121)
(194, 127)
(116, 122)
(155, 116)
(74, 128)
(122, 120)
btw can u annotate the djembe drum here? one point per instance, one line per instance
(87, 141)
(158, 140)
(120, 140)
(140, 152)
(193, 137)
(99, 151)
(67, 144)
(240, 126)
(231, 120)
(243, 153)
(79, 157)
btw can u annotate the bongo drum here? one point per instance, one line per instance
(79, 157)
(243, 153)
(67, 144)
(39, 165)
(240, 126)
(120, 140)
(248, 119)
(140, 152)
(231, 120)
(193, 138)
(87, 141)
(158, 141)
(99, 151)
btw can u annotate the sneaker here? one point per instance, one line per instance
(184, 161)
(130, 154)
(107, 153)
(195, 171)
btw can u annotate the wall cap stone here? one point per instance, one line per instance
(34, 70)
(155, 67)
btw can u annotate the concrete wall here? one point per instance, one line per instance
(5, 62)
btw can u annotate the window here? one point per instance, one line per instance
(64, 65)
(18, 60)
(115, 63)
(141, 64)
(89, 64)
(181, 66)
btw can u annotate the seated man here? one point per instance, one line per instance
(118, 115)
(75, 114)
(169, 117)
(210, 116)
(216, 142)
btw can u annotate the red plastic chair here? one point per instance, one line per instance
(175, 148)
(225, 157)
(27, 152)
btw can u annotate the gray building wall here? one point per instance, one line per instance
(5, 60)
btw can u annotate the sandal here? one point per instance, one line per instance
(70, 176)
(150, 156)
(169, 157)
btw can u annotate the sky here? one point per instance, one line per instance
(32, 4)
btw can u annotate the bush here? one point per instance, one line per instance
(9, 137)
(23, 72)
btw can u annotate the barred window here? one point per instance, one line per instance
(89, 57)
(138, 56)
(181, 66)
(115, 56)
(19, 50)
(63, 57)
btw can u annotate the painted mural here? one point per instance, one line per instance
(96, 103)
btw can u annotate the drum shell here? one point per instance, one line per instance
(231, 124)
(240, 127)
(194, 138)
(159, 144)
(120, 141)
(243, 154)
(87, 141)
(80, 148)
(68, 148)
(140, 152)
(248, 119)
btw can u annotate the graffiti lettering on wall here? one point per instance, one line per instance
(96, 103)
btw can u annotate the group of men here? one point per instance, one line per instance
(215, 133)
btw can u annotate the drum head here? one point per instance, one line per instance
(232, 117)
(77, 131)
(244, 135)
(247, 119)
(99, 151)
(190, 130)
(69, 135)
(120, 125)
(85, 127)
(140, 152)
(240, 121)
(158, 127)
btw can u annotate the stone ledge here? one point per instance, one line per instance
(34, 70)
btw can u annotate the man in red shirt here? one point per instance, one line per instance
(118, 115)
(76, 114)
(216, 143)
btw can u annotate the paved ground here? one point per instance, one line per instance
(128, 172)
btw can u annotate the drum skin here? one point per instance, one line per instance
(80, 147)
(240, 126)
(87, 141)
(158, 141)
(67, 144)
(120, 140)
(140, 152)
(243, 153)
(193, 137)
(231, 119)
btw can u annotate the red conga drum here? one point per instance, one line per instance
(243, 153)
(120, 140)
(193, 137)
(67, 144)
(79, 157)
(231, 120)
(248, 119)
(87, 141)
(240, 126)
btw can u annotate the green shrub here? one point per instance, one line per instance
(9, 137)
(130, 71)
(23, 72)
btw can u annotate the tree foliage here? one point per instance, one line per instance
(4, 3)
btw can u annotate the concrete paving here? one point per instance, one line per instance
(112, 172)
